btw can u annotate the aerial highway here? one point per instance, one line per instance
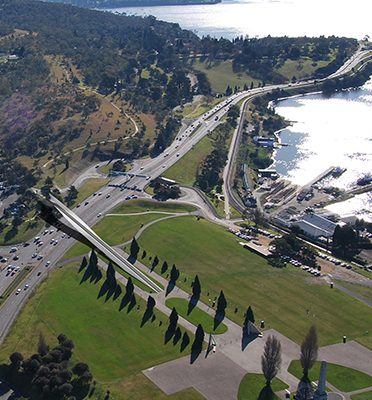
(53, 244)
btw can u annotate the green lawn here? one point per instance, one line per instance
(119, 229)
(89, 187)
(281, 297)
(185, 170)
(196, 316)
(252, 384)
(110, 341)
(26, 231)
(220, 74)
(197, 108)
(301, 68)
(343, 378)
(362, 396)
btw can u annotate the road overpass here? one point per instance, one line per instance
(95, 241)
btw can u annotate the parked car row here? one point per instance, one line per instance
(334, 260)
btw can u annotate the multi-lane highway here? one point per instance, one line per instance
(52, 245)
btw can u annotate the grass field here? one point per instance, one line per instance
(135, 206)
(110, 341)
(301, 68)
(89, 187)
(24, 232)
(119, 229)
(185, 170)
(196, 316)
(252, 384)
(344, 379)
(197, 108)
(362, 396)
(220, 74)
(281, 297)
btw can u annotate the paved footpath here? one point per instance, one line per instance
(217, 376)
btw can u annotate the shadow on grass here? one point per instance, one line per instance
(177, 336)
(107, 290)
(94, 275)
(218, 318)
(192, 303)
(169, 333)
(266, 393)
(132, 303)
(185, 341)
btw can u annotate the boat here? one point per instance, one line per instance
(338, 171)
(364, 180)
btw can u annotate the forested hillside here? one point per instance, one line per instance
(132, 3)
(79, 85)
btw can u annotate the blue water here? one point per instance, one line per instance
(232, 18)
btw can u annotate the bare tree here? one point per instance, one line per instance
(309, 350)
(271, 358)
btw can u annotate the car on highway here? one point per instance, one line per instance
(99, 193)
(178, 154)
(26, 287)
(18, 291)
(99, 215)
(47, 263)
(78, 206)
(86, 203)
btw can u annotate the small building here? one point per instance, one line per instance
(315, 226)
(268, 173)
(166, 181)
(263, 141)
(12, 57)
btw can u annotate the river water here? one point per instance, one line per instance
(329, 131)
(232, 18)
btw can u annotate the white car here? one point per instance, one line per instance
(47, 263)
(99, 215)
(18, 291)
